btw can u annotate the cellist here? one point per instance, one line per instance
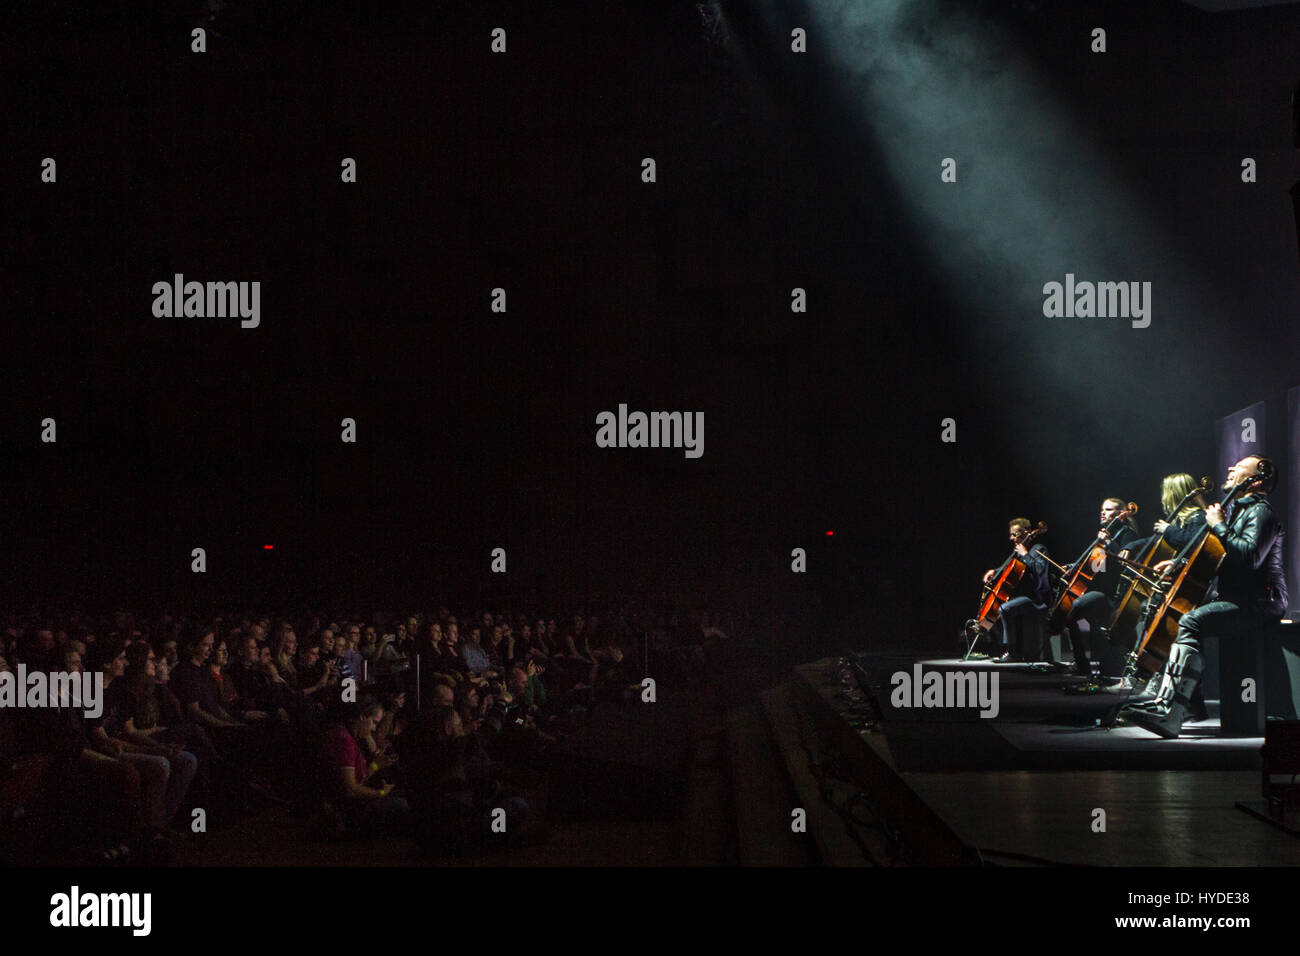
(1173, 532)
(1251, 586)
(1178, 529)
(1093, 609)
(1021, 618)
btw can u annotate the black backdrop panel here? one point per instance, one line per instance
(1232, 437)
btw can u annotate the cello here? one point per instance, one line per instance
(1137, 587)
(999, 590)
(1078, 575)
(1185, 587)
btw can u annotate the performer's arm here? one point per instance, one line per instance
(1179, 536)
(1247, 545)
(1038, 570)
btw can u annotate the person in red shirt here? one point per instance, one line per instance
(345, 770)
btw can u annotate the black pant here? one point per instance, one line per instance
(1221, 619)
(1019, 630)
(1095, 608)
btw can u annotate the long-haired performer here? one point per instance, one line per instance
(1177, 531)
(1181, 528)
(1251, 586)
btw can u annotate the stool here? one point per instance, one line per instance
(1271, 657)
(1282, 671)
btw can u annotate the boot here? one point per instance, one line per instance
(1131, 683)
(1143, 687)
(1158, 687)
(1165, 715)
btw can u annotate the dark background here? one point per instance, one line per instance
(476, 430)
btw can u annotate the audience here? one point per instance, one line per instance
(330, 723)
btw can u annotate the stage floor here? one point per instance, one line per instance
(1036, 783)
(1040, 727)
(1160, 818)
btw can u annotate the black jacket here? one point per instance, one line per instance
(1108, 581)
(1036, 583)
(1251, 573)
(1177, 536)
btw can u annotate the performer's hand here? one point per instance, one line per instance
(1214, 514)
(988, 575)
(1021, 549)
(1104, 537)
(1163, 567)
(1160, 526)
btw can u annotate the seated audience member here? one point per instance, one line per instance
(284, 648)
(370, 646)
(525, 646)
(346, 772)
(166, 770)
(219, 668)
(96, 796)
(149, 702)
(495, 648)
(572, 651)
(257, 686)
(351, 656)
(169, 705)
(393, 723)
(545, 647)
(193, 684)
(450, 662)
(36, 649)
(341, 664)
(535, 691)
(316, 679)
(474, 655)
(325, 642)
(472, 708)
(444, 691)
(390, 652)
